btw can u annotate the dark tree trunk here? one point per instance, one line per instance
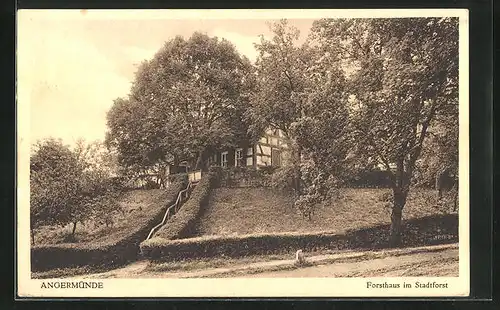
(74, 228)
(399, 202)
(400, 193)
(396, 215)
(32, 237)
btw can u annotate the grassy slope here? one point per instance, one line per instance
(234, 211)
(138, 205)
(255, 210)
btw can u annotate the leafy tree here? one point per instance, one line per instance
(439, 159)
(323, 130)
(184, 103)
(440, 152)
(99, 191)
(301, 91)
(70, 186)
(279, 100)
(403, 75)
(94, 156)
(54, 185)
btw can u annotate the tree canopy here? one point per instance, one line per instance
(404, 76)
(301, 91)
(186, 101)
(54, 186)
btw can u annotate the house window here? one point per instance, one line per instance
(223, 159)
(263, 160)
(212, 160)
(238, 157)
(275, 157)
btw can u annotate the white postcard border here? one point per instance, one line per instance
(243, 287)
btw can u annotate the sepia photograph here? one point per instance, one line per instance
(242, 153)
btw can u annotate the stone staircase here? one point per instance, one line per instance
(182, 197)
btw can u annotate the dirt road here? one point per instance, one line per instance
(443, 264)
(424, 261)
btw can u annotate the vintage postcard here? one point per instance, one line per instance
(242, 153)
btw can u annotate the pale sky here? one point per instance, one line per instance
(72, 64)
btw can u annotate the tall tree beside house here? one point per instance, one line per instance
(301, 91)
(405, 75)
(323, 132)
(128, 135)
(184, 104)
(280, 92)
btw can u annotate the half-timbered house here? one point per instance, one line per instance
(269, 151)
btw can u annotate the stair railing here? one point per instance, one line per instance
(181, 197)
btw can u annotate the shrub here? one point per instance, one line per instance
(282, 178)
(370, 178)
(113, 252)
(268, 170)
(151, 184)
(183, 223)
(178, 177)
(244, 177)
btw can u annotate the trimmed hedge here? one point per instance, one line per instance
(183, 223)
(423, 231)
(103, 254)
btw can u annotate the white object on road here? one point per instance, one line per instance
(300, 257)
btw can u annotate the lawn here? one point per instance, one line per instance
(137, 205)
(237, 211)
